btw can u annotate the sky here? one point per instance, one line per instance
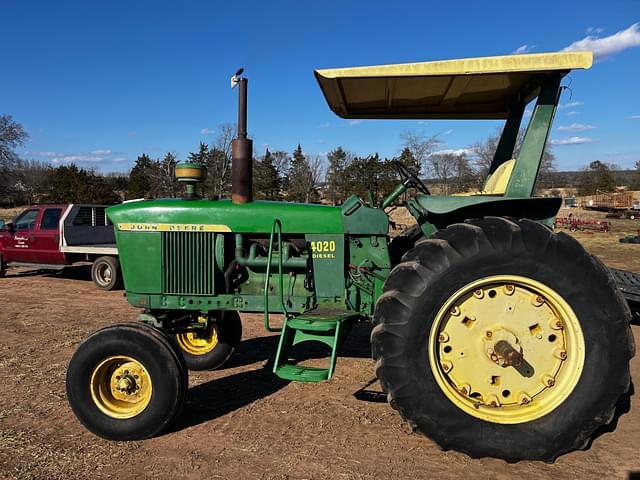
(98, 83)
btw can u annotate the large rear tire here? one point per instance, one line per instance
(126, 382)
(501, 338)
(213, 347)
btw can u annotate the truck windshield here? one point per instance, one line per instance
(27, 220)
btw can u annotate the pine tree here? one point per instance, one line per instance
(266, 182)
(301, 183)
(140, 178)
(335, 177)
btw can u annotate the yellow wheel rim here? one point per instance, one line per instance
(198, 343)
(121, 387)
(506, 349)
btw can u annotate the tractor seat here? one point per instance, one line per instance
(497, 182)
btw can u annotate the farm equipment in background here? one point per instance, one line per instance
(616, 204)
(631, 238)
(485, 334)
(576, 224)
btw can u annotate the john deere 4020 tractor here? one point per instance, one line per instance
(493, 335)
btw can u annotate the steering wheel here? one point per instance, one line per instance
(410, 179)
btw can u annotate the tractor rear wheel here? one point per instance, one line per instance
(501, 338)
(211, 348)
(126, 382)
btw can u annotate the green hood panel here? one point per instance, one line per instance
(253, 217)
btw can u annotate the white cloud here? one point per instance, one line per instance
(575, 127)
(324, 125)
(606, 46)
(447, 132)
(46, 154)
(119, 159)
(572, 113)
(633, 117)
(207, 131)
(594, 30)
(571, 141)
(101, 152)
(570, 105)
(523, 49)
(454, 151)
(354, 122)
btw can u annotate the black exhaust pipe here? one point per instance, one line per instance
(241, 149)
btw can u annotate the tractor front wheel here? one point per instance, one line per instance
(501, 338)
(126, 382)
(211, 348)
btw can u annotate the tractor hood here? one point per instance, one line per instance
(471, 88)
(224, 216)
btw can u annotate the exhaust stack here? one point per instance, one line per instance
(241, 148)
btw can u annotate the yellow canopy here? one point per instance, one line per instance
(482, 88)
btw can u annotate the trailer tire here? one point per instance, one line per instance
(125, 382)
(451, 401)
(106, 274)
(213, 349)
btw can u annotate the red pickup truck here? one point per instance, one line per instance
(51, 237)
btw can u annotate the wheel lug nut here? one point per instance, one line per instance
(509, 289)
(537, 300)
(443, 337)
(478, 293)
(446, 366)
(455, 311)
(548, 380)
(489, 334)
(524, 398)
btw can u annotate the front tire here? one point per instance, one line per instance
(212, 348)
(501, 338)
(126, 382)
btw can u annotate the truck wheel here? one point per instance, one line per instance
(105, 273)
(501, 338)
(211, 349)
(126, 382)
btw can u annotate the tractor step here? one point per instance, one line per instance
(329, 329)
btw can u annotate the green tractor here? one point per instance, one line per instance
(492, 335)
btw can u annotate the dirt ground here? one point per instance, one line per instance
(241, 422)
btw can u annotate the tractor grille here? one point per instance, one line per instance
(188, 263)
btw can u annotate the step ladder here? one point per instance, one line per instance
(325, 326)
(330, 329)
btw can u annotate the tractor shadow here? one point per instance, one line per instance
(221, 396)
(259, 349)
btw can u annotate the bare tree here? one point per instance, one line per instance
(420, 145)
(223, 141)
(442, 166)
(316, 165)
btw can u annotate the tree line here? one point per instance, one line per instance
(277, 175)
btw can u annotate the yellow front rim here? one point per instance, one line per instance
(506, 349)
(198, 343)
(121, 387)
